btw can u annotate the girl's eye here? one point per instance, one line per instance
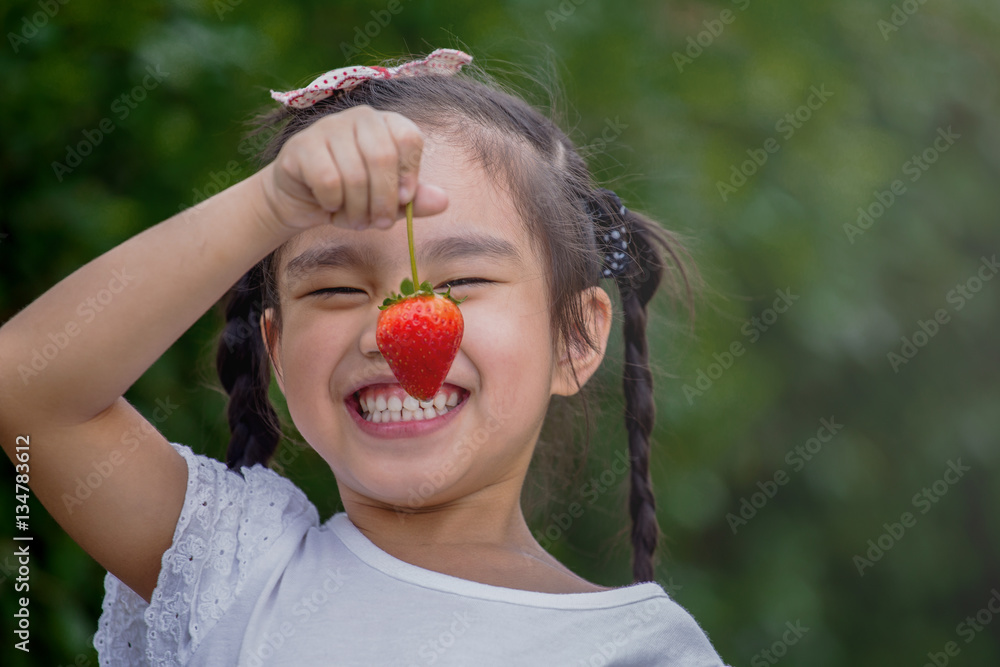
(464, 281)
(336, 290)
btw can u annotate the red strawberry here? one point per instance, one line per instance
(419, 331)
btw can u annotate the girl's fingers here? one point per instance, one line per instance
(409, 146)
(353, 214)
(360, 168)
(379, 153)
(319, 172)
(429, 200)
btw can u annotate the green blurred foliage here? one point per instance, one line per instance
(683, 127)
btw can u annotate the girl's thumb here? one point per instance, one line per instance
(429, 200)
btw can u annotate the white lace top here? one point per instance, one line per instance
(252, 578)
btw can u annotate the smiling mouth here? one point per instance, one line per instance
(390, 403)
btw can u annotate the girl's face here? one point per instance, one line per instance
(504, 374)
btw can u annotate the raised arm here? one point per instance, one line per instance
(123, 310)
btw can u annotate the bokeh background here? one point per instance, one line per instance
(757, 129)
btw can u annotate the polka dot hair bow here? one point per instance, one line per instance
(613, 239)
(441, 61)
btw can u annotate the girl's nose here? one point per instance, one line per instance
(367, 343)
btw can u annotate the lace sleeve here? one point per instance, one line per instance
(227, 522)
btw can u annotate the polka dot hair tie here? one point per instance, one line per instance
(441, 61)
(613, 239)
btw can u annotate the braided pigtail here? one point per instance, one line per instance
(244, 370)
(634, 253)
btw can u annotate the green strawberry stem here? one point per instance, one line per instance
(409, 240)
(416, 288)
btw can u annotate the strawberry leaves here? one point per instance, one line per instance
(425, 289)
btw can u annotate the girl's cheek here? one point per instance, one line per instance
(506, 353)
(307, 359)
(488, 336)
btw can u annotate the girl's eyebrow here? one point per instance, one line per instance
(348, 256)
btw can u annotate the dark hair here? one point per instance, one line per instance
(552, 190)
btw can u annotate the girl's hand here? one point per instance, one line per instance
(356, 169)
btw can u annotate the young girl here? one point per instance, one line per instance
(432, 562)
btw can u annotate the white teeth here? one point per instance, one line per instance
(379, 409)
(382, 416)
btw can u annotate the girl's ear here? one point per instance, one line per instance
(595, 305)
(269, 333)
